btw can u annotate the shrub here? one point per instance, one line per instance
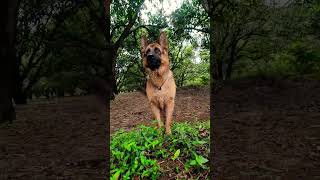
(306, 60)
(146, 152)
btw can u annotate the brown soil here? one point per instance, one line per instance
(131, 109)
(65, 138)
(58, 139)
(267, 130)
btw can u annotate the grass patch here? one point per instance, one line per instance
(147, 153)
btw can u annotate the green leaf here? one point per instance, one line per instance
(116, 175)
(127, 175)
(176, 154)
(201, 160)
(143, 159)
(199, 142)
(154, 143)
(128, 146)
(193, 162)
(136, 153)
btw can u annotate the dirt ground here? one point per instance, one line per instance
(131, 109)
(65, 138)
(262, 130)
(57, 139)
(267, 130)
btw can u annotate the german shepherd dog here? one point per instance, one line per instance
(160, 87)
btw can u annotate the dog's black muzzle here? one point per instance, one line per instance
(153, 62)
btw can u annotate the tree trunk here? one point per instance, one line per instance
(109, 79)
(114, 75)
(229, 70)
(20, 96)
(7, 56)
(113, 47)
(60, 92)
(216, 62)
(231, 61)
(220, 69)
(47, 94)
(110, 73)
(213, 63)
(30, 96)
(182, 81)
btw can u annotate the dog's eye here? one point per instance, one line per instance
(157, 50)
(146, 52)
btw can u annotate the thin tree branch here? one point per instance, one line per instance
(127, 29)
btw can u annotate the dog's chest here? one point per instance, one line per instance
(159, 97)
(156, 80)
(160, 90)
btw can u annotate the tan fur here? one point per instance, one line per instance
(160, 100)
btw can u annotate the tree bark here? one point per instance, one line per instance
(105, 86)
(214, 63)
(19, 96)
(231, 61)
(60, 92)
(112, 48)
(113, 57)
(182, 81)
(8, 53)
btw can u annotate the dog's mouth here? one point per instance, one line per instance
(153, 62)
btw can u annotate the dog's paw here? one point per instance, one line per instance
(168, 131)
(160, 125)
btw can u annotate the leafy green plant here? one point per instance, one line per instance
(306, 59)
(147, 153)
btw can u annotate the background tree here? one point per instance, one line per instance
(278, 53)
(67, 47)
(8, 52)
(183, 47)
(37, 23)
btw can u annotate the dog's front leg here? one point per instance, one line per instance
(169, 113)
(156, 114)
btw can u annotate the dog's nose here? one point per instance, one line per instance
(153, 61)
(150, 57)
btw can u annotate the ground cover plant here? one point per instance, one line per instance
(147, 153)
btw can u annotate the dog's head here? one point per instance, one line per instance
(155, 55)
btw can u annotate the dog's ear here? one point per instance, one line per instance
(163, 40)
(144, 42)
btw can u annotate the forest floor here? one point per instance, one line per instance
(262, 130)
(267, 129)
(131, 109)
